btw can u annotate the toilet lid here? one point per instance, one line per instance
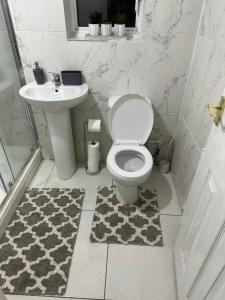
(131, 119)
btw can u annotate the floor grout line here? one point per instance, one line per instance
(106, 270)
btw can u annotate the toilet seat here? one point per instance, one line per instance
(131, 119)
(129, 175)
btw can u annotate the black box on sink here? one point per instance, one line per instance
(72, 77)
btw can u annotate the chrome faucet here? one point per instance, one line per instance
(56, 80)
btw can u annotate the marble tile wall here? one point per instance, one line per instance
(155, 64)
(205, 84)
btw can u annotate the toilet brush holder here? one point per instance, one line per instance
(85, 152)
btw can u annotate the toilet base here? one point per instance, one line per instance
(126, 194)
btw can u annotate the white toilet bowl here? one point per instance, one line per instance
(129, 161)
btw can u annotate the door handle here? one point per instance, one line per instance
(216, 111)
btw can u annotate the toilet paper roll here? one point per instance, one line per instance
(93, 167)
(93, 156)
(93, 148)
(94, 125)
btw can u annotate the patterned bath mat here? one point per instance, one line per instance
(116, 223)
(37, 246)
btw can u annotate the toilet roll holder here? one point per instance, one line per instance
(85, 151)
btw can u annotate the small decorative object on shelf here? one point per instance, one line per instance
(95, 20)
(106, 28)
(119, 24)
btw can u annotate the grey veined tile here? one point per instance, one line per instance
(88, 268)
(137, 272)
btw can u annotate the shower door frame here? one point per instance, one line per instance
(19, 66)
(23, 179)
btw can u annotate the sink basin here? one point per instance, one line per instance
(45, 97)
(56, 105)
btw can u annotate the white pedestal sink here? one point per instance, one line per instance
(56, 106)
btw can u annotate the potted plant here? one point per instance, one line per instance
(106, 28)
(95, 20)
(119, 24)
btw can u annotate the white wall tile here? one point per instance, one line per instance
(213, 22)
(185, 161)
(50, 49)
(37, 15)
(43, 133)
(176, 16)
(95, 68)
(206, 84)
(148, 9)
(127, 67)
(168, 63)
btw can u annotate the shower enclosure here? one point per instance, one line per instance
(18, 139)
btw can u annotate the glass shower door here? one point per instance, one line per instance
(17, 141)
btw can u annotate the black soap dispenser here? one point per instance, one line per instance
(39, 74)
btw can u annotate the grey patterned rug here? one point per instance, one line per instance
(137, 224)
(37, 246)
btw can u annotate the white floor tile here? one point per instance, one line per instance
(144, 272)
(87, 272)
(140, 273)
(170, 226)
(82, 180)
(42, 174)
(167, 197)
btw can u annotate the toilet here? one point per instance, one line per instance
(129, 161)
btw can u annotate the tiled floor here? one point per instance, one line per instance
(118, 272)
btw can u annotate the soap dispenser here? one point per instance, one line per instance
(39, 74)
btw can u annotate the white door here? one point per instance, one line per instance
(200, 246)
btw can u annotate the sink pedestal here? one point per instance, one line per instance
(59, 124)
(57, 105)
